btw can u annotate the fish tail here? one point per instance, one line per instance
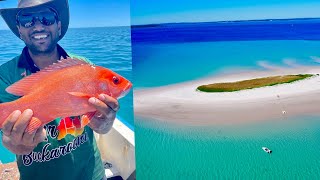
(33, 125)
(5, 110)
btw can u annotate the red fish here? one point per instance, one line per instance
(62, 90)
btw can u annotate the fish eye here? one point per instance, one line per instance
(115, 80)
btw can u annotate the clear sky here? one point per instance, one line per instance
(164, 11)
(90, 13)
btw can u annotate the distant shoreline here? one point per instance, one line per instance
(117, 26)
(248, 30)
(181, 104)
(208, 22)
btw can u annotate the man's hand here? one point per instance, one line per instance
(103, 119)
(15, 138)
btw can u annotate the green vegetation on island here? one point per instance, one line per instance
(252, 83)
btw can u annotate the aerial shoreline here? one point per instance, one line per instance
(182, 104)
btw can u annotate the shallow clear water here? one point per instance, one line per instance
(166, 151)
(109, 47)
(162, 64)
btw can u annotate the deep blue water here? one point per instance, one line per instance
(161, 64)
(288, 29)
(109, 47)
(187, 51)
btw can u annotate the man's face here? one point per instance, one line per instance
(39, 38)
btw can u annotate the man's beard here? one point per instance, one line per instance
(39, 50)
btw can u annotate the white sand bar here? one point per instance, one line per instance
(181, 103)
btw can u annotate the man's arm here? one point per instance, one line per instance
(103, 119)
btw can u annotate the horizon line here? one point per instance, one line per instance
(240, 20)
(109, 26)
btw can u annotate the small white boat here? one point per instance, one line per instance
(267, 150)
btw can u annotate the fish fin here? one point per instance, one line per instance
(80, 94)
(33, 125)
(65, 63)
(25, 85)
(5, 111)
(85, 119)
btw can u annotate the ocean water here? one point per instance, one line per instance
(167, 151)
(170, 151)
(109, 47)
(179, 62)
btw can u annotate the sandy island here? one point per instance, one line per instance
(182, 104)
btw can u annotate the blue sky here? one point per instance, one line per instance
(90, 13)
(99, 13)
(164, 11)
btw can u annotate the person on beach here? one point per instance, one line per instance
(40, 155)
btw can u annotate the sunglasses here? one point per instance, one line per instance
(29, 20)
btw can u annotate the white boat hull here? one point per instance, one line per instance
(117, 147)
(267, 150)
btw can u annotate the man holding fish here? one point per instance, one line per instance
(43, 118)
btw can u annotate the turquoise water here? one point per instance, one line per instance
(109, 47)
(169, 151)
(161, 64)
(165, 151)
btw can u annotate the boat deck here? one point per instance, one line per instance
(9, 171)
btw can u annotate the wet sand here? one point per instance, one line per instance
(182, 104)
